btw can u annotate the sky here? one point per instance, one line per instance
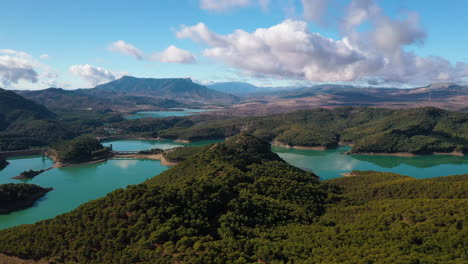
(80, 44)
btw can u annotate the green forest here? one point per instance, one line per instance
(417, 130)
(237, 202)
(19, 196)
(81, 149)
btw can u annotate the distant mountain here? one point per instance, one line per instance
(179, 89)
(57, 98)
(235, 87)
(60, 99)
(15, 108)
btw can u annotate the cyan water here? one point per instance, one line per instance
(161, 114)
(74, 186)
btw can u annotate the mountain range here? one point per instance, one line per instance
(130, 94)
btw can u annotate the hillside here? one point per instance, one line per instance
(180, 90)
(15, 108)
(25, 124)
(237, 202)
(418, 130)
(58, 99)
(442, 95)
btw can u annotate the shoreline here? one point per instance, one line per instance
(283, 145)
(407, 154)
(159, 157)
(348, 174)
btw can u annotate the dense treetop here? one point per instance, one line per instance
(417, 130)
(237, 202)
(81, 149)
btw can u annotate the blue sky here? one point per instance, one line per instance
(75, 39)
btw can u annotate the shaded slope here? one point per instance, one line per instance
(25, 124)
(15, 108)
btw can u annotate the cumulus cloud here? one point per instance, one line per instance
(290, 50)
(94, 75)
(16, 66)
(284, 50)
(44, 56)
(173, 55)
(126, 48)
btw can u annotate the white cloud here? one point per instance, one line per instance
(174, 55)
(284, 50)
(290, 50)
(126, 48)
(314, 10)
(44, 56)
(16, 66)
(94, 75)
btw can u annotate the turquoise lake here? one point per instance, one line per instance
(74, 186)
(161, 114)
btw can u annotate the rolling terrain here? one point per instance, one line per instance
(129, 94)
(443, 95)
(424, 130)
(237, 202)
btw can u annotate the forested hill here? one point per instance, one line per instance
(236, 202)
(228, 193)
(416, 130)
(15, 108)
(25, 124)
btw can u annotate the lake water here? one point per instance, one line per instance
(137, 145)
(74, 186)
(330, 164)
(161, 114)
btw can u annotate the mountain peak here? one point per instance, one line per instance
(180, 89)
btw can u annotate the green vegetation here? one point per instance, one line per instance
(419, 130)
(180, 154)
(3, 163)
(82, 149)
(28, 174)
(151, 151)
(15, 197)
(237, 202)
(25, 124)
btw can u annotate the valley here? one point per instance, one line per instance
(262, 168)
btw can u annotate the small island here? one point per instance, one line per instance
(83, 149)
(19, 196)
(28, 174)
(3, 163)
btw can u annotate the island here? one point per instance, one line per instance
(28, 174)
(19, 196)
(83, 149)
